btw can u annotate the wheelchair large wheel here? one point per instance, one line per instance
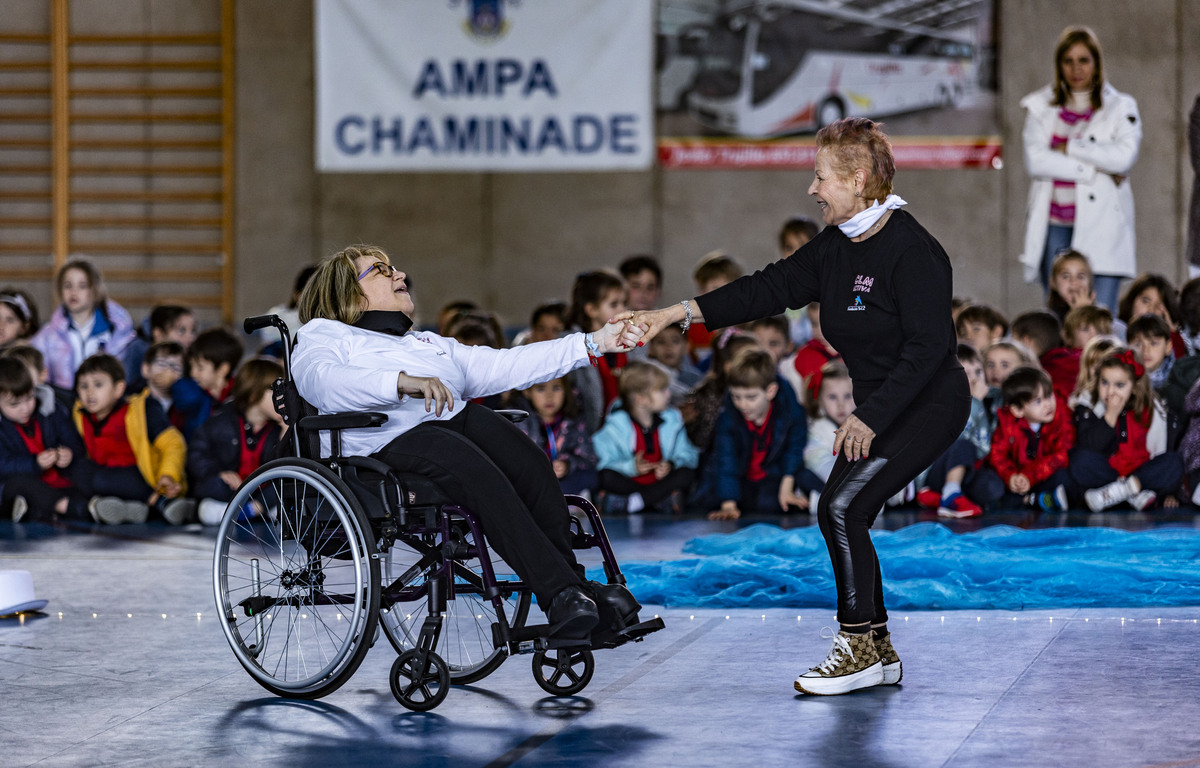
(465, 642)
(296, 580)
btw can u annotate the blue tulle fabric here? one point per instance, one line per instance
(927, 567)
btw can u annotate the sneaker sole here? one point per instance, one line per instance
(835, 686)
(118, 512)
(956, 514)
(178, 512)
(892, 673)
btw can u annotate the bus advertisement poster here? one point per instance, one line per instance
(484, 85)
(747, 83)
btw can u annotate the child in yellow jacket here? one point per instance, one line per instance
(135, 458)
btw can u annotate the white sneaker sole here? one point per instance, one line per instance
(118, 511)
(832, 686)
(892, 673)
(957, 514)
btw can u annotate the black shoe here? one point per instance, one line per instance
(618, 607)
(571, 613)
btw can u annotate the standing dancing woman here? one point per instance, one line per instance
(884, 286)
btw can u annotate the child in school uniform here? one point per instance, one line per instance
(826, 412)
(557, 427)
(670, 350)
(211, 361)
(1042, 333)
(758, 450)
(1124, 449)
(135, 458)
(236, 440)
(595, 297)
(37, 451)
(949, 482)
(644, 458)
(1028, 459)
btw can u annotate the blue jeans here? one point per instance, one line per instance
(1108, 291)
(1057, 238)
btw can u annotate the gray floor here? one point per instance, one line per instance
(129, 667)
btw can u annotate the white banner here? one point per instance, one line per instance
(484, 85)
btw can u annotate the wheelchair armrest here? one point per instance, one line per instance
(336, 421)
(513, 414)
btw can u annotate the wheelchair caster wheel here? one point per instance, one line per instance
(563, 671)
(420, 680)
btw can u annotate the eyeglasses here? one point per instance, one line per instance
(387, 270)
(169, 365)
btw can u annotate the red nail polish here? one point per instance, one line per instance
(641, 343)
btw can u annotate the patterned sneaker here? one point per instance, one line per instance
(852, 663)
(958, 507)
(1055, 501)
(114, 511)
(927, 498)
(892, 670)
(19, 508)
(1140, 501)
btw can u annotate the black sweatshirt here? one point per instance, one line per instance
(885, 306)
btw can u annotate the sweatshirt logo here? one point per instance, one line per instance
(862, 284)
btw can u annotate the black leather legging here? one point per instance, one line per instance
(856, 491)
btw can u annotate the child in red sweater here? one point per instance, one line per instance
(1028, 458)
(1124, 451)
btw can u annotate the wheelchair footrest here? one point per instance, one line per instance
(536, 637)
(632, 633)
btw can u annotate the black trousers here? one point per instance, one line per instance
(41, 498)
(492, 468)
(679, 479)
(856, 491)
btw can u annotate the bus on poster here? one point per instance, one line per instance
(772, 69)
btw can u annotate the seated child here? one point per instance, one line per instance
(826, 412)
(955, 470)
(135, 458)
(162, 366)
(703, 406)
(595, 297)
(1000, 359)
(1041, 332)
(771, 333)
(1123, 450)
(758, 450)
(1150, 337)
(1071, 284)
(670, 351)
(1093, 352)
(802, 370)
(547, 321)
(236, 440)
(1151, 294)
(1028, 458)
(1085, 323)
(36, 451)
(557, 426)
(166, 322)
(643, 453)
(643, 276)
(47, 394)
(979, 325)
(715, 269)
(211, 360)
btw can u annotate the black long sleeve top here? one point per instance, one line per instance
(885, 306)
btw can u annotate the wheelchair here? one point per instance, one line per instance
(317, 555)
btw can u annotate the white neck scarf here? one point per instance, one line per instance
(864, 220)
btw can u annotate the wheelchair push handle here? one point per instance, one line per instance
(252, 324)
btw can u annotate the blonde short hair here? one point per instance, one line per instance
(333, 292)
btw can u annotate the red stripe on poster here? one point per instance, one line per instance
(931, 152)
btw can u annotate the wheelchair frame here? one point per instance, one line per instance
(298, 573)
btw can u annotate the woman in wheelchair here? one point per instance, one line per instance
(357, 352)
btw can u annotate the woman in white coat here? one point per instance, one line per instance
(1081, 141)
